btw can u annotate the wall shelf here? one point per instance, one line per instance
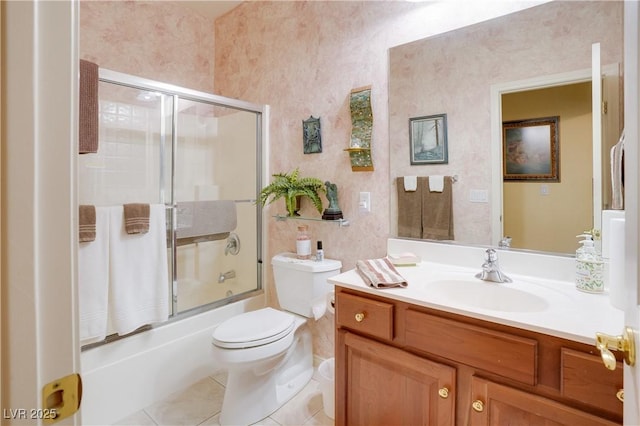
(341, 222)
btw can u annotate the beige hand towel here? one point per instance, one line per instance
(87, 223)
(136, 218)
(437, 212)
(380, 273)
(410, 209)
(88, 108)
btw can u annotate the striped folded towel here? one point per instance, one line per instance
(136, 218)
(380, 273)
(86, 223)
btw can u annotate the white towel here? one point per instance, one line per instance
(139, 278)
(617, 189)
(410, 183)
(93, 281)
(617, 293)
(436, 183)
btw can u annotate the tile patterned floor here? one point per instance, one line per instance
(200, 404)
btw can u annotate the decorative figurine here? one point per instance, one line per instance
(332, 212)
(311, 140)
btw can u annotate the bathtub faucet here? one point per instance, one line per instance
(490, 269)
(227, 275)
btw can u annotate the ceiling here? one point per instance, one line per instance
(211, 8)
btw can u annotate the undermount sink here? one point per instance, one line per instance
(485, 295)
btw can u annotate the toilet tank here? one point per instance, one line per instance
(301, 282)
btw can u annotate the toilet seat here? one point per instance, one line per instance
(255, 328)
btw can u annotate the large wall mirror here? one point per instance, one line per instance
(456, 74)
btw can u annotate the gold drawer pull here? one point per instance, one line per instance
(443, 392)
(620, 395)
(360, 316)
(478, 406)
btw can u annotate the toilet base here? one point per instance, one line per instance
(254, 392)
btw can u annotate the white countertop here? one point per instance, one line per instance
(559, 309)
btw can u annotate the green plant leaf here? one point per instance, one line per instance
(289, 186)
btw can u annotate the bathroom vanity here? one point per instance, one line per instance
(448, 350)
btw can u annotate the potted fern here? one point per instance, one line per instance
(291, 187)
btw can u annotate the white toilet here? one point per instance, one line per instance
(268, 353)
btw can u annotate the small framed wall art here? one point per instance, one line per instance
(311, 136)
(531, 150)
(428, 139)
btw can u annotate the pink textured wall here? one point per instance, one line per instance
(301, 58)
(157, 40)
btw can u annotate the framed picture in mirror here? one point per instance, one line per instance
(531, 150)
(428, 139)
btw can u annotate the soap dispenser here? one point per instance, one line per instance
(589, 266)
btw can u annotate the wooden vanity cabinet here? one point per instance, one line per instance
(388, 386)
(496, 404)
(403, 364)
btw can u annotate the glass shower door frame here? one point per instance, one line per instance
(177, 93)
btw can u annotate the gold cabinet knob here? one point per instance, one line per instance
(620, 395)
(360, 316)
(624, 343)
(478, 406)
(443, 392)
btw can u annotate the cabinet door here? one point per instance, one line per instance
(387, 386)
(494, 404)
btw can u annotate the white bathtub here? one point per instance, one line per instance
(125, 376)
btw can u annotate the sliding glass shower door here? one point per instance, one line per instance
(200, 156)
(216, 160)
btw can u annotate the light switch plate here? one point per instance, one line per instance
(364, 202)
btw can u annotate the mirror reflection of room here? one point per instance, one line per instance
(533, 205)
(462, 66)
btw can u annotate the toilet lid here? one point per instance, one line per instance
(253, 328)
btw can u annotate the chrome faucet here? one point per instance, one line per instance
(490, 269)
(505, 242)
(226, 276)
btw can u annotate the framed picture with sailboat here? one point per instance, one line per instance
(428, 139)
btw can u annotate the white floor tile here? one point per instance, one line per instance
(301, 407)
(199, 405)
(138, 419)
(189, 407)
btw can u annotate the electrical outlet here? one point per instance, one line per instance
(544, 189)
(479, 196)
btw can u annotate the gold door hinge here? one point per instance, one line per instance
(61, 398)
(605, 107)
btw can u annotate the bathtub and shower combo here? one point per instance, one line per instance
(201, 158)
